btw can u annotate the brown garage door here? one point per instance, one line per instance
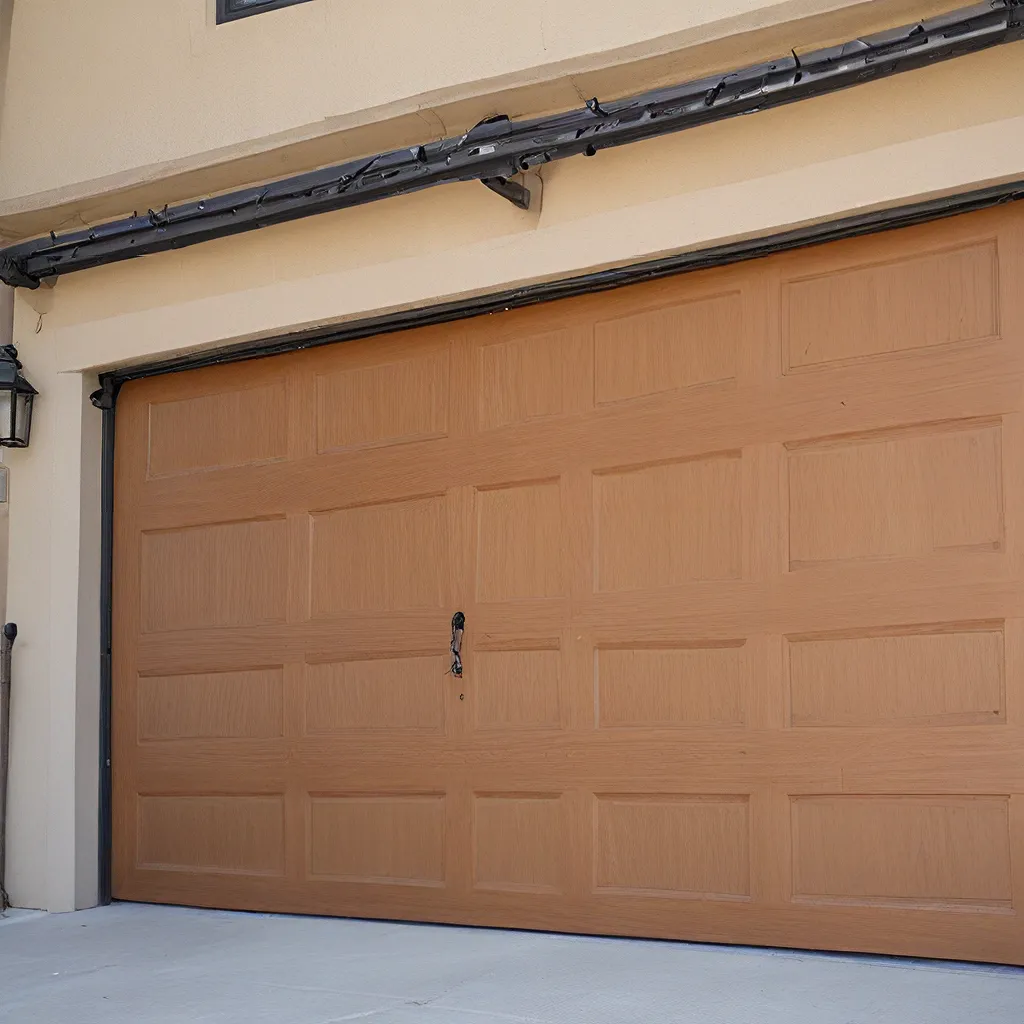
(741, 559)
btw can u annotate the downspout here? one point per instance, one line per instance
(10, 633)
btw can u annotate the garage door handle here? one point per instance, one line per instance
(458, 627)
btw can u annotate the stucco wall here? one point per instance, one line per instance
(912, 136)
(953, 127)
(116, 105)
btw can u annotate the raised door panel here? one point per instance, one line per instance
(655, 687)
(384, 558)
(519, 542)
(517, 689)
(241, 835)
(212, 705)
(387, 404)
(383, 839)
(939, 850)
(923, 676)
(930, 299)
(219, 430)
(227, 574)
(519, 842)
(666, 524)
(378, 694)
(909, 492)
(673, 845)
(668, 348)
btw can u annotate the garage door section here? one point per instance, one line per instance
(741, 561)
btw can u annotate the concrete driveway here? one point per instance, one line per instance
(130, 964)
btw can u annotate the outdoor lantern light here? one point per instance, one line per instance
(16, 396)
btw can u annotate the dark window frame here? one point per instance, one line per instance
(233, 10)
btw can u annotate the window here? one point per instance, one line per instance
(232, 10)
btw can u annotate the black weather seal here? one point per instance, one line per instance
(106, 399)
(500, 149)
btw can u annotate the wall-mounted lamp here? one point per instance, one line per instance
(16, 396)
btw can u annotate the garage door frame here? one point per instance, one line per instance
(106, 398)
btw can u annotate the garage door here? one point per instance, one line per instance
(740, 555)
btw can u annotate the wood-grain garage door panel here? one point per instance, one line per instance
(740, 555)
(226, 574)
(518, 689)
(903, 847)
(666, 348)
(519, 545)
(657, 687)
(378, 839)
(665, 524)
(930, 675)
(212, 705)
(219, 833)
(907, 492)
(520, 842)
(383, 693)
(381, 405)
(892, 307)
(379, 557)
(219, 430)
(525, 378)
(673, 845)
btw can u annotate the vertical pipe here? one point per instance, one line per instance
(105, 399)
(10, 633)
(6, 338)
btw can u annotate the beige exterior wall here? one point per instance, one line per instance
(943, 130)
(147, 103)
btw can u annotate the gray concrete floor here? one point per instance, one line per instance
(130, 964)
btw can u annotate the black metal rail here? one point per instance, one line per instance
(497, 149)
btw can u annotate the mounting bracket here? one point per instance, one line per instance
(518, 195)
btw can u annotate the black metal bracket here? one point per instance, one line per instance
(106, 395)
(499, 149)
(12, 274)
(232, 10)
(518, 195)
